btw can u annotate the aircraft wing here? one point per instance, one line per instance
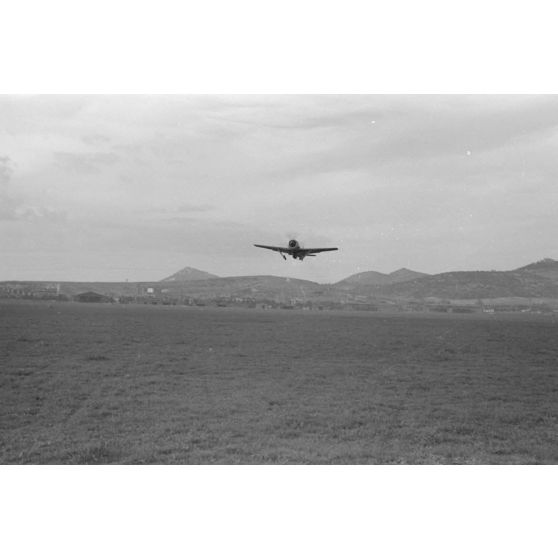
(275, 248)
(309, 251)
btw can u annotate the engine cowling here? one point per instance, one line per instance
(294, 244)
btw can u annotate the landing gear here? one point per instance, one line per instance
(283, 256)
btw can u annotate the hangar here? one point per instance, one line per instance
(91, 296)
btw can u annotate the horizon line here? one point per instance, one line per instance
(277, 276)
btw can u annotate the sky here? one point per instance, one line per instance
(136, 187)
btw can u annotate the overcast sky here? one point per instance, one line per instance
(137, 187)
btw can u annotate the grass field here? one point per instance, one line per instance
(87, 383)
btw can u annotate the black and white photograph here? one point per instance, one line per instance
(278, 279)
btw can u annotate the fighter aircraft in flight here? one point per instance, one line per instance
(295, 250)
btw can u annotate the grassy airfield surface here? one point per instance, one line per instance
(87, 383)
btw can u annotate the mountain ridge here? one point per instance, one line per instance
(536, 280)
(188, 274)
(377, 278)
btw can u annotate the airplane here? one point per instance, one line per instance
(295, 250)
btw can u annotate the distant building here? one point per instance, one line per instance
(91, 296)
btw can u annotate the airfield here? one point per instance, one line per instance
(101, 383)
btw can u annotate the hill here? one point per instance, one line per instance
(364, 278)
(544, 268)
(537, 280)
(404, 274)
(188, 274)
(377, 278)
(472, 285)
(259, 286)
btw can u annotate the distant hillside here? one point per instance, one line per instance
(364, 278)
(189, 274)
(536, 280)
(544, 268)
(260, 286)
(377, 278)
(404, 274)
(473, 284)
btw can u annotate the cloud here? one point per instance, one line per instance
(195, 208)
(416, 131)
(14, 206)
(95, 139)
(8, 205)
(8, 208)
(12, 210)
(6, 170)
(85, 163)
(387, 175)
